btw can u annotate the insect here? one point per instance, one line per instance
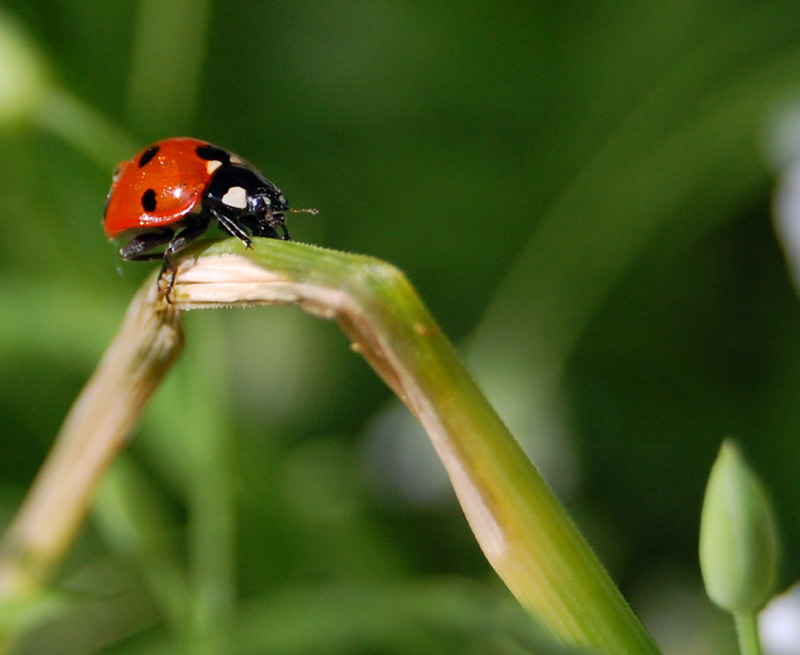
(170, 193)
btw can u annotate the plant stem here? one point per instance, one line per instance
(747, 632)
(523, 530)
(94, 431)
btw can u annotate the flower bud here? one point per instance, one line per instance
(738, 537)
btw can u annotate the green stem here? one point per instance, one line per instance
(747, 632)
(94, 431)
(523, 530)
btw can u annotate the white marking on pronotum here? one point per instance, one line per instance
(236, 197)
(212, 165)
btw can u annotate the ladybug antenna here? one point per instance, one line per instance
(303, 211)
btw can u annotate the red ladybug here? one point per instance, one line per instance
(171, 191)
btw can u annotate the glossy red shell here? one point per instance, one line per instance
(175, 179)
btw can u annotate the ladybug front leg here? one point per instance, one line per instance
(265, 226)
(231, 224)
(285, 236)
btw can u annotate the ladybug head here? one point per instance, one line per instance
(269, 203)
(269, 207)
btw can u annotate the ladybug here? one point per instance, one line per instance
(170, 192)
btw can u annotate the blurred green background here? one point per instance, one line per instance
(578, 191)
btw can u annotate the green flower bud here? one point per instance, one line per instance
(22, 73)
(738, 536)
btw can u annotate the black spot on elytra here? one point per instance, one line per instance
(149, 200)
(212, 153)
(147, 155)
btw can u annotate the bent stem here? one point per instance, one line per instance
(522, 529)
(96, 428)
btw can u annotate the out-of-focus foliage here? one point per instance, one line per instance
(578, 192)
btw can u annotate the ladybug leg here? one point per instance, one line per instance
(138, 248)
(186, 236)
(285, 233)
(265, 230)
(231, 225)
(268, 225)
(178, 243)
